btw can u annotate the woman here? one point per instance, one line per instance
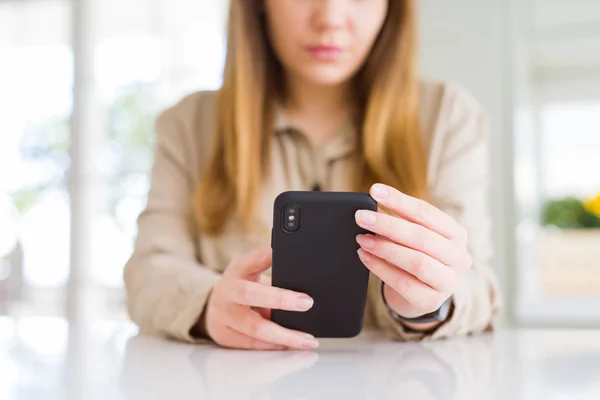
(318, 94)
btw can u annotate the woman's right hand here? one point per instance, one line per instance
(239, 309)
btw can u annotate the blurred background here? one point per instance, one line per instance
(81, 83)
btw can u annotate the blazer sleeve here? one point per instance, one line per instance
(166, 285)
(459, 182)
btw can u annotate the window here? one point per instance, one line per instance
(570, 148)
(36, 76)
(557, 168)
(145, 55)
(163, 52)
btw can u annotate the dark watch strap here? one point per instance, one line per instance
(439, 315)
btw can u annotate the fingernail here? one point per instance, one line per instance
(310, 343)
(366, 217)
(366, 241)
(379, 192)
(304, 303)
(366, 257)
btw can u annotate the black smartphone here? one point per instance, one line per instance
(315, 252)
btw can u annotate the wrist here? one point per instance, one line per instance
(198, 330)
(423, 323)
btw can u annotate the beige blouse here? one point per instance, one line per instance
(173, 267)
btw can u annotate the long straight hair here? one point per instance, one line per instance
(387, 88)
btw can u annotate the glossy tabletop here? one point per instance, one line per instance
(50, 359)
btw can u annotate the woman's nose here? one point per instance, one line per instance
(330, 14)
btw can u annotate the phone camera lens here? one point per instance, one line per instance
(291, 218)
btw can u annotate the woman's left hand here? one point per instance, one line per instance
(421, 255)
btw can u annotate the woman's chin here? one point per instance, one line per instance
(326, 77)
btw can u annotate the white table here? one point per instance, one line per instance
(50, 359)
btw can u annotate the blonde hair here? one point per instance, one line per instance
(387, 95)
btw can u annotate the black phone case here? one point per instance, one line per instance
(321, 260)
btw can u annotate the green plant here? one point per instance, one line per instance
(568, 213)
(46, 146)
(129, 142)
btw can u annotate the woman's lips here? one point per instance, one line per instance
(325, 53)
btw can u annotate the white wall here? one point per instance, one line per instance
(470, 42)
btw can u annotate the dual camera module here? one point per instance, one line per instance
(291, 218)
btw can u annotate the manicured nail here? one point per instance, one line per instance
(304, 303)
(366, 217)
(379, 192)
(366, 241)
(363, 255)
(310, 344)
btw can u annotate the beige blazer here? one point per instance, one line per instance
(173, 267)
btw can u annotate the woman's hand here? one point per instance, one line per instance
(420, 255)
(238, 312)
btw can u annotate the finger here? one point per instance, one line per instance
(427, 269)
(254, 262)
(237, 340)
(411, 235)
(420, 295)
(418, 211)
(251, 324)
(264, 312)
(265, 280)
(254, 294)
